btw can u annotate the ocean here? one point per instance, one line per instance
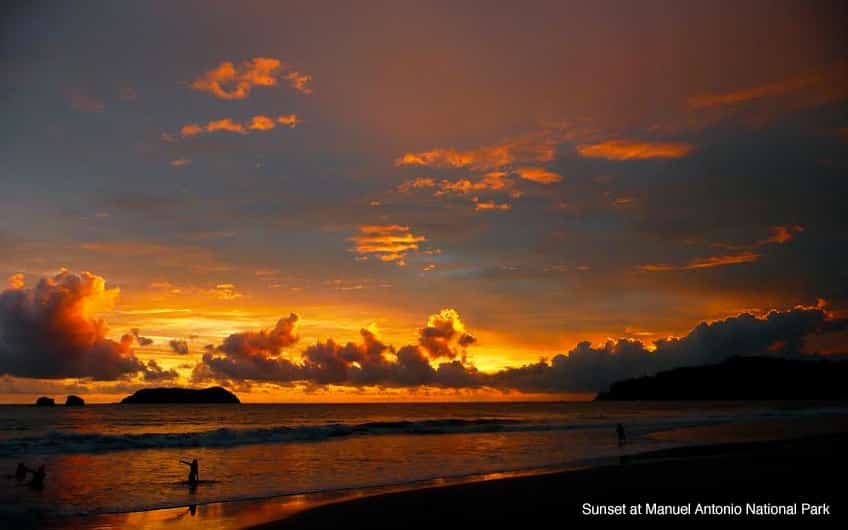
(121, 458)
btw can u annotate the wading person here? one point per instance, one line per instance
(193, 473)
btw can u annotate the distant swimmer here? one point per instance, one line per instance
(193, 473)
(619, 430)
(21, 471)
(38, 476)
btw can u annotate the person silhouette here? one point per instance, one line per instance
(193, 472)
(38, 477)
(619, 430)
(21, 471)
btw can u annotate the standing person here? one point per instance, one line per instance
(619, 430)
(21, 471)
(193, 472)
(38, 476)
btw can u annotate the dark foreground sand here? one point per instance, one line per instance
(809, 470)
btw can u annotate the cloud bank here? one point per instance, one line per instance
(438, 358)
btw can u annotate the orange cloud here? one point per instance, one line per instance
(299, 81)
(389, 243)
(777, 88)
(256, 123)
(15, 281)
(52, 331)
(180, 162)
(488, 157)
(230, 82)
(490, 205)
(261, 123)
(634, 150)
(781, 234)
(288, 119)
(703, 263)
(416, 183)
(227, 81)
(538, 174)
(225, 125)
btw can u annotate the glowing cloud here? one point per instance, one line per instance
(51, 331)
(483, 158)
(389, 243)
(15, 281)
(256, 123)
(538, 174)
(299, 81)
(781, 234)
(634, 150)
(490, 205)
(704, 263)
(226, 81)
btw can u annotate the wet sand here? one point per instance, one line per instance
(809, 470)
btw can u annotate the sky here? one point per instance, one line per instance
(327, 201)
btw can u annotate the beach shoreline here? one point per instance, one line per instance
(809, 453)
(755, 478)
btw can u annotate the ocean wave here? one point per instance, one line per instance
(71, 442)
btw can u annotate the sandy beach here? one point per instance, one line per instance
(763, 474)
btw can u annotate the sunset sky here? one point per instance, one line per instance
(320, 201)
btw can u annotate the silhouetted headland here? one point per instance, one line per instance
(739, 378)
(74, 401)
(182, 395)
(44, 402)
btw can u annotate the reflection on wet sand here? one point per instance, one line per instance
(242, 514)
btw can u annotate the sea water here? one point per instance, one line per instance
(114, 458)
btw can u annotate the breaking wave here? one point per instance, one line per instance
(69, 442)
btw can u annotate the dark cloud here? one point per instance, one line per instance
(178, 346)
(47, 331)
(270, 341)
(154, 372)
(142, 341)
(585, 368)
(369, 362)
(590, 369)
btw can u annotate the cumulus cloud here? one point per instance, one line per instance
(369, 362)
(586, 368)
(445, 335)
(389, 243)
(231, 82)
(49, 331)
(620, 149)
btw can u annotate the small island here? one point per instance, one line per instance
(44, 402)
(181, 395)
(739, 378)
(74, 401)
